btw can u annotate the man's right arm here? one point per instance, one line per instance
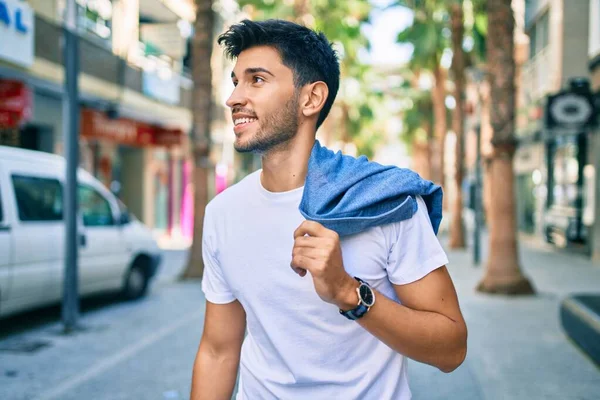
(218, 357)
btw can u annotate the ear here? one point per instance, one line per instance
(313, 98)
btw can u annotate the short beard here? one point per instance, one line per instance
(276, 129)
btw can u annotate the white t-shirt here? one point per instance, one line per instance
(297, 346)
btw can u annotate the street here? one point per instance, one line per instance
(145, 349)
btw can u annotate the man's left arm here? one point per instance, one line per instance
(427, 327)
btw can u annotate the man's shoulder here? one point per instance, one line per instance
(233, 194)
(406, 229)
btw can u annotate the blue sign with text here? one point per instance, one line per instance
(16, 18)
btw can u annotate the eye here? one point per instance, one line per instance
(235, 83)
(257, 79)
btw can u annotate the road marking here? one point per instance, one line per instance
(110, 361)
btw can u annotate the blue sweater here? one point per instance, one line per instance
(349, 195)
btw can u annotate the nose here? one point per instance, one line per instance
(237, 98)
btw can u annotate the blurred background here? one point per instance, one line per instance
(497, 101)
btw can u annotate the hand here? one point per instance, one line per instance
(320, 254)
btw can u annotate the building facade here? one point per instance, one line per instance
(555, 162)
(594, 70)
(135, 97)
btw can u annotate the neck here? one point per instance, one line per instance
(285, 168)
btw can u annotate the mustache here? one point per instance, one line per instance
(243, 111)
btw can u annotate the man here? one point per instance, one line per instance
(389, 281)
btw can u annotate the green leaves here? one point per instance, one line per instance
(429, 38)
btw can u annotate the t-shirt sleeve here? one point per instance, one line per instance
(215, 287)
(416, 250)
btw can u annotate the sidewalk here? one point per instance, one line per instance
(516, 347)
(145, 350)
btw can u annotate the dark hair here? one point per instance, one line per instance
(307, 53)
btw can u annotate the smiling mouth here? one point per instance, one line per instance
(241, 123)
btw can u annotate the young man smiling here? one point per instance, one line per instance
(389, 281)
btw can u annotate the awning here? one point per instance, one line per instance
(16, 103)
(97, 125)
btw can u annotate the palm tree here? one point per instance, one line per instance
(418, 121)
(457, 235)
(202, 45)
(502, 272)
(426, 35)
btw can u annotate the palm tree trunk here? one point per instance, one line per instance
(439, 111)
(502, 273)
(457, 235)
(201, 108)
(421, 159)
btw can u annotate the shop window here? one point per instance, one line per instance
(38, 199)
(566, 174)
(94, 208)
(539, 34)
(95, 16)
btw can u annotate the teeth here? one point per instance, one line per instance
(243, 120)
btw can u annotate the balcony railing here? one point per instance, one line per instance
(98, 61)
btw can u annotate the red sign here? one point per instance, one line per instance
(15, 103)
(168, 137)
(96, 125)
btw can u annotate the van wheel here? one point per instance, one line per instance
(136, 281)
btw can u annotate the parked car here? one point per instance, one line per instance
(116, 251)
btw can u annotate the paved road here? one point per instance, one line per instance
(516, 347)
(145, 349)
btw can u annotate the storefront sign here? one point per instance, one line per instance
(96, 125)
(570, 110)
(16, 31)
(167, 137)
(15, 103)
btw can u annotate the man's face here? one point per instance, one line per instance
(264, 103)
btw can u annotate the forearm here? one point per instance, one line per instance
(214, 375)
(424, 336)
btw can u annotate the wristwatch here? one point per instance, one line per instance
(366, 299)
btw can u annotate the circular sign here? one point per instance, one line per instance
(571, 109)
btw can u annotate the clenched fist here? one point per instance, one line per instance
(317, 250)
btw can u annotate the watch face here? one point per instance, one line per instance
(366, 295)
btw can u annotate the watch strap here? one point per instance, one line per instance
(356, 313)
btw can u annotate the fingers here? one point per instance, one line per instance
(302, 263)
(303, 258)
(315, 253)
(313, 246)
(314, 229)
(307, 241)
(299, 271)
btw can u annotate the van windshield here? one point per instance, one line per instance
(123, 210)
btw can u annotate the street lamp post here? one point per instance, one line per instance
(478, 76)
(70, 305)
(477, 205)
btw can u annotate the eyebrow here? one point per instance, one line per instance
(254, 70)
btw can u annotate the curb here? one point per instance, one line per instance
(580, 318)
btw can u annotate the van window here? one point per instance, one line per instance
(38, 199)
(94, 207)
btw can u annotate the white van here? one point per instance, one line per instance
(116, 251)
